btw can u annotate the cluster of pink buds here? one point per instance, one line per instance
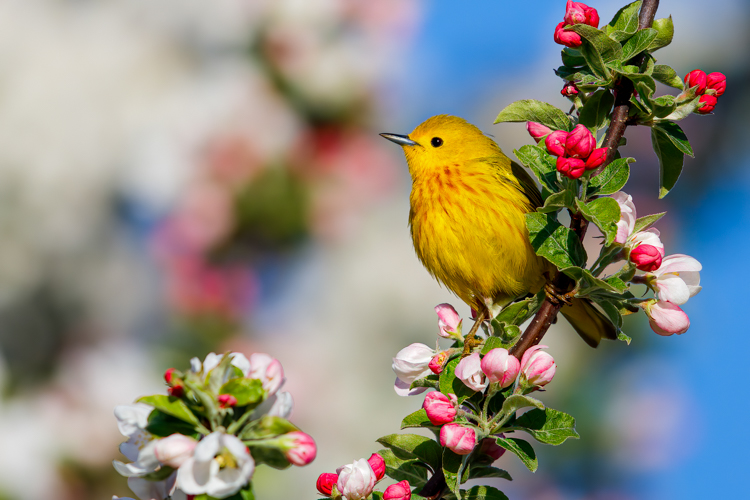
(709, 87)
(674, 278)
(357, 480)
(576, 150)
(575, 13)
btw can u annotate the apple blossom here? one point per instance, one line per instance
(580, 142)
(377, 464)
(709, 103)
(626, 223)
(650, 236)
(326, 483)
(175, 449)
(555, 142)
(500, 367)
(646, 257)
(571, 167)
(696, 78)
(268, 370)
(537, 367)
(144, 463)
(537, 130)
(716, 82)
(398, 491)
(469, 371)
(411, 363)
(666, 318)
(449, 322)
(596, 158)
(459, 439)
(219, 467)
(569, 89)
(437, 363)
(565, 37)
(226, 400)
(440, 408)
(580, 13)
(299, 448)
(146, 489)
(677, 279)
(212, 360)
(282, 404)
(356, 480)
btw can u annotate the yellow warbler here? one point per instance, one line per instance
(467, 221)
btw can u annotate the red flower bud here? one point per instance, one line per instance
(709, 103)
(378, 466)
(226, 400)
(580, 13)
(441, 409)
(437, 364)
(646, 257)
(596, 158)
(580, 142)
(716, 81)
(571, 167)
(696, 77)
(398, 491)
(569, 90)
(555, 142)
(537, 130)
(176, 390)
(169, 374)
(326, 482)
(567, 37)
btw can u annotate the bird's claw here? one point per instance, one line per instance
(556, 296)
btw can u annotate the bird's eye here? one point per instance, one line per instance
(436, 142)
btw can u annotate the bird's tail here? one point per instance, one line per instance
(589, 322)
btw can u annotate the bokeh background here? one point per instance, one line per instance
(186, 176)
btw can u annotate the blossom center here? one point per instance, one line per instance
(226, 459)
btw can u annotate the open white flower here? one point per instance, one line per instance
(410, 364)
(627, 216)
(212, 361)
(219, 467)
(268, 370)
(677, 279)
(132, 421)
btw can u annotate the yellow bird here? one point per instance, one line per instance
(467, 220)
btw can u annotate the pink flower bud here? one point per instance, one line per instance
(174, 450)
(709, 103)
(176, 391)
(226, 400)
(571, 167)
(326, 482)
(437, 363)
(377, 464)
(580, 142)
(298, 447)
(646, 257)
(537, 367)
(488, 447)
(696, 77)
(449, 322)
(169, 375)
(440, 408)
(567, 37)
(580, 13)
(500, 367)
(555, 142)
(469, 371)
(596, 158)
(398, 491)
(459, 439)
(537, 130)
(569, 90)
(666, 318)
(356, 480)
(268, 370)
(716, 81)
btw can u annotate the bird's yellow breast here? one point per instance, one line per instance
(468, 226)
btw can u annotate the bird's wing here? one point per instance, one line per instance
(527, 184)
(514, 174)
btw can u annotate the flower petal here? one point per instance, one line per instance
(402, 388)
(672, 288)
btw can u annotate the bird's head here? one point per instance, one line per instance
(443, 140)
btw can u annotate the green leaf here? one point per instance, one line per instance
(539, 161)
(685, 107)
(572, 57)
(665, 32)
(663, 106)
(548, 426)
(271, 456)
(625, 23)
(667, 76)
(623, 338)
(162, 425)
(638, 43)
(605, 213)
(558, 201)
(670, 161)
(595, 113)
(522, 449)
(645, 85)
(267, 427)
(608, 49)
(171, 406)
(246, 390)
(450, 384)
(451, 466)
(519, 311)
(553, 241)
(675, 134)
(517, 401)
(413, 471)
(484, 472)
(645, 222)
(612, 312)
(613, 177)
(416, 419)
(430, 381)
(491, 343)
(412, 446)
(530, 110)
(484, 493)
(587, 283)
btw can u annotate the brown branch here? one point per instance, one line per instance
(436, 487)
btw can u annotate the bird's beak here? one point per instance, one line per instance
(401, 140)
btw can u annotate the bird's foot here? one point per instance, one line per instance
(557, 296)
(471, 341)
